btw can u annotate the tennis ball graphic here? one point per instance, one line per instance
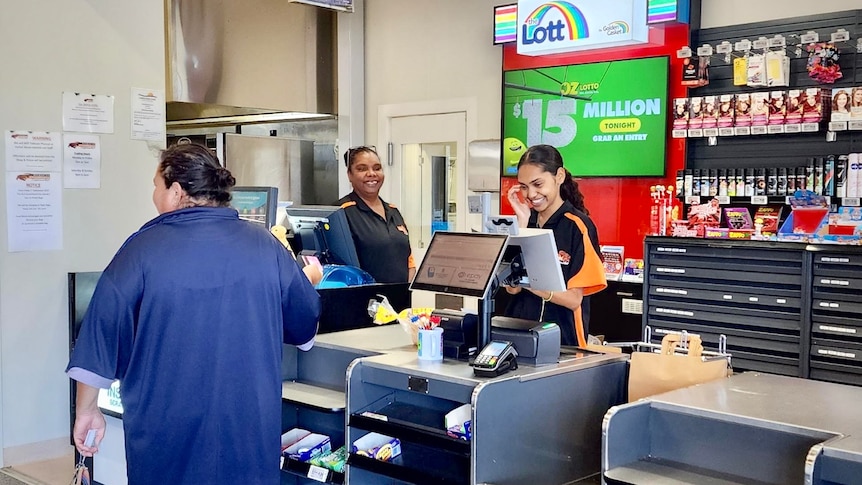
(513, 148)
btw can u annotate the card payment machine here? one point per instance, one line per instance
(496, 358)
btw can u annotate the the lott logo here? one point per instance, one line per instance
(616, 28)
(571, 26)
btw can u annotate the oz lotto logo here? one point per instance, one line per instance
(553, 22)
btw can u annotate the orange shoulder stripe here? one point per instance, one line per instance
(591, 277)
(347, 204)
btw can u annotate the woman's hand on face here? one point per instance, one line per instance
(521, 208)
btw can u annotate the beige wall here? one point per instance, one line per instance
(418, 51)
(51, 46)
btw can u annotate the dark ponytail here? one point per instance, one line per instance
(569, 191)
(550, 160)
(199, 173)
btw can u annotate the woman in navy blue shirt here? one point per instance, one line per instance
(191, 316)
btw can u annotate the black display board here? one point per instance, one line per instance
(779, 150)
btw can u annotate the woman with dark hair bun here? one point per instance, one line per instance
(548, 197)
(191, 316)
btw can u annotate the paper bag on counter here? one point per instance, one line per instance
(652, 373)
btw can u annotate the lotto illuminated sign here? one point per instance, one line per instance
(552, 27)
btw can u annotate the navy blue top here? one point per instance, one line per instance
(190, 315)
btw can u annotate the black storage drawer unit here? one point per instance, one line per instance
(836, 316)
(786, 308)
(753, 295)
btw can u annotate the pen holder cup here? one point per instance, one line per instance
(431, 344)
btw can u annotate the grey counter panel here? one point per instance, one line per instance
(750, 427)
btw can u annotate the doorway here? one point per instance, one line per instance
(426, 167)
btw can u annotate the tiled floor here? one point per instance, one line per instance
(57, 471)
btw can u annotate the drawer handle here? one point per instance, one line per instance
(753, 299)
(624, 293)
(835, 282)
(837, 353)
(781, 301)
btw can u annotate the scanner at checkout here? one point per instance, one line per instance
(537, 343)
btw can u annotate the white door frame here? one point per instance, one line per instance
(385, 113)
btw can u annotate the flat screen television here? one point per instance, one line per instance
(322, 231)
(256, 204)
(608, 119)
(463, 264)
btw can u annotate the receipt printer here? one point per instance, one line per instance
(459, 333)
(537, 343)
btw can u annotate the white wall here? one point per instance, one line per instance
(718, 13)
(51, 46)
(427, 51)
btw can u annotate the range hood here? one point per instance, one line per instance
(240, 61)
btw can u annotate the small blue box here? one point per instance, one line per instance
(308, 447)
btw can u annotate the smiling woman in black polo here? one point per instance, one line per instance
(379, 232)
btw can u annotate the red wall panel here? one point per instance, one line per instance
(620, 207)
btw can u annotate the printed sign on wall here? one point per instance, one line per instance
(553, 27)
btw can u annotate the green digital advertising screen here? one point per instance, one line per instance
(608, 119)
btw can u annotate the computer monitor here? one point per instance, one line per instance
(463, 264)
(322, 231)
(256, 204)
(541, 263)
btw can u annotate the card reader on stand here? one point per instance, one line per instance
(537, 343)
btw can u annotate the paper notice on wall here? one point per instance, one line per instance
(82, 161)
(34, 211)
(148, 114)
(34, 151)
(88, 113)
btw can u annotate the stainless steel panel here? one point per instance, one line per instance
(272, 162)
(226, 56)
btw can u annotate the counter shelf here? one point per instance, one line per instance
(302, 469)
(314, 396)
(751, 428)
(417, 464)
(410, 422)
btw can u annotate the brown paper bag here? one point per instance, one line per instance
(652, 373)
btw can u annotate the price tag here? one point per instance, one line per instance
(692, 200)
(723, 199)
(810, 37)
(787, 200)
(724, 48)
(840, 35)
(792, 128)
(742, 46)
(837, 126)
(684, 52)
(761, 43)
(705, 50)
(317, 473)
(759, 200)
(850, 201)
(777, 41)
(854, 125)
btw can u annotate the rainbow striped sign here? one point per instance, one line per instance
(505, 24)
(658, 11)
